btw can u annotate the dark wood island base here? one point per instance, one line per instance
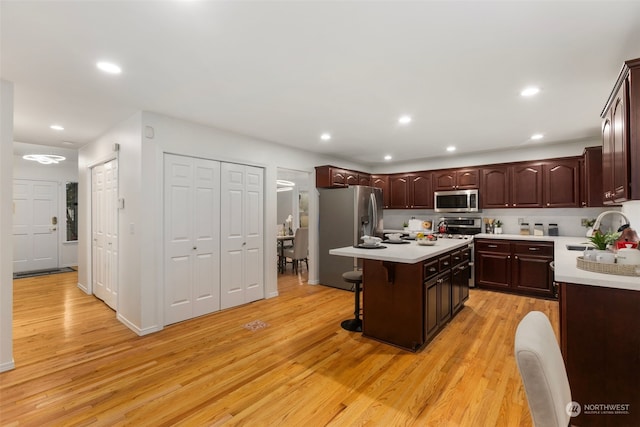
(406, 305)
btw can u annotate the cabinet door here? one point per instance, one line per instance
(592, 178)
(382, 182)
(352, 178)
(399, 189)
(620, 148)
(607, 162)
(444, 180)
(531, 275)
(430, 309)
(444, 297)
(338, 177)
(562, 183)
(494, 191)
(364, 179)
(493, 269)
(467, 179)
(421, 192)
(460, 286)
(526, 186)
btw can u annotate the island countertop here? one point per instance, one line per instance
(409, 253)
(566, 269)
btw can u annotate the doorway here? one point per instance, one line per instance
(35, 225)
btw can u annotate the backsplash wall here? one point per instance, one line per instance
(568, 220)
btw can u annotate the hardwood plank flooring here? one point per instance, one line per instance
(77, 365)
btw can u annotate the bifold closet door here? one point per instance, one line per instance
(192, 237)
(242, 237)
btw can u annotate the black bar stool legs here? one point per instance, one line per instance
(354, 325)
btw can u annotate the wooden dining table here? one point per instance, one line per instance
(282, 262)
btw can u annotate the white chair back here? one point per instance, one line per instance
(301, 243)
(543, 372)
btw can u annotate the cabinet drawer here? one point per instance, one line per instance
(430, 269)
(493, 246)
(444, 262)
(456, 257)
(533, 248)
(466, 254)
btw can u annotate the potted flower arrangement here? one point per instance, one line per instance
(601, 243)
(497, 227)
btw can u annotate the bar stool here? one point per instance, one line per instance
(354, 325)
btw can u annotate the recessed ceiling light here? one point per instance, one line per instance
(403, 120)
(530, 91)
(109, 67)
(388, 157)
(451, 148)
(45, 159)
(56, 127)
(537, 136)
(325, 136)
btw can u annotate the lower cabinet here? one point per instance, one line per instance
(514, 266)
(601, 349)
(406, 305)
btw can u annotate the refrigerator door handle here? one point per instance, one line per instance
(374, 205)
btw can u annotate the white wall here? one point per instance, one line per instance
(632, 211)
(63, 172)
(143, 141)
(6, 226)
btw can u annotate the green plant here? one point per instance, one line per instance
(498, 223)
(405, 224)
(601, 241)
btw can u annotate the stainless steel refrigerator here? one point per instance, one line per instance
(346, 214)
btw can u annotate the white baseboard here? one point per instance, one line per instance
(272, 294)
(7, 366)
(313, 282)
(136, 329)
(83, 288)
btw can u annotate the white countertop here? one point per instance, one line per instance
(565, 263)
(410, 253)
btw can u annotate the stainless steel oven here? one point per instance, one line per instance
(463, 228)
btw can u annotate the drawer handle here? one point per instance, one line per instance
(432, 269)
(492, 246)
(462, 268)
(445, 263)
(457, 258)
(534, 249)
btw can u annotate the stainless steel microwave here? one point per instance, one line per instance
(456, 201)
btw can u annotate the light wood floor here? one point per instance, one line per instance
(77, 365)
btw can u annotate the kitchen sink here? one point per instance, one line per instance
(576, 247)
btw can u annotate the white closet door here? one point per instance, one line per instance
(241, 234)
(192, 224)
(104, 230)
(35, 231)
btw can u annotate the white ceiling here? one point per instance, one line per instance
(287, 71)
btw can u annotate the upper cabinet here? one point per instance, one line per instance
(333, 177)
(591, 193)
(421, 190)
(456, 179)
(399, 191)
(562, 183)
(516, 185)
(382, 182)
(621, 137)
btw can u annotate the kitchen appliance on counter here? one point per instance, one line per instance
(346, 214)
(463, 228)
(456, 201)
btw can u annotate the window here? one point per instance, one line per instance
(72, 211)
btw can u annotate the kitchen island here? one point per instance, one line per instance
(410, 291)
(599, 335)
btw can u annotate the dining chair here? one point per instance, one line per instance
(543, 372)
(300, 249)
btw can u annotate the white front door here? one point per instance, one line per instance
(192, 237)
(104, 230)
(35, 225)
(241, 234)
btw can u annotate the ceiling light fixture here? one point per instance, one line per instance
(109, 67)
(537, 136)
(325, 136)
(285, 183)
(451, 148)
(45, 159)
(530, 91)
(404, 120)
(281, 189)
(56, 127)
(388, 157)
